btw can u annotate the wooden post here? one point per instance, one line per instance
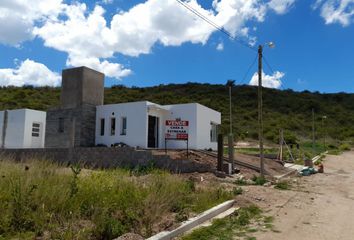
(220, 152)
(231, 151)
(281, 142)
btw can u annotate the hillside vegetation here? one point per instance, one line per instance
(282, 109)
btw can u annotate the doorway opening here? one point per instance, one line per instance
(153, 132)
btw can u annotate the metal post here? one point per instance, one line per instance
(260, 109)
(220, 152)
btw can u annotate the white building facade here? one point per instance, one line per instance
(22, 128)
(142, 124)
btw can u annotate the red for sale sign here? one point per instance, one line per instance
(176, 129)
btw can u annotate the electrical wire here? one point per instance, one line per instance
(271, 69)
(249, 69)
(215, 25)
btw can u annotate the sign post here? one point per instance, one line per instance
(176, 130)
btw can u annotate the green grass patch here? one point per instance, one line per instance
(63, 203)
(282, 185)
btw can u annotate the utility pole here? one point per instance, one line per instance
(324, 132)
(260, 108)
(281, 143)
(230, 84)
(313, 132)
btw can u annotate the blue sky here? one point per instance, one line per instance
(146, 43)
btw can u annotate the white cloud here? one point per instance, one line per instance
(220, 47)
(90, 40)
(336, 11)
(281, 6)
(18, 17)
(269, 81)
(29, 73)
(107, 1)
(113, 70)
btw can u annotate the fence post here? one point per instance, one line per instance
(220, 152)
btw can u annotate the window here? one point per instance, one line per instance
(213, 132)
(124, 126)
(102, 126)
(35, 129)
(61, 125)
(113, 126)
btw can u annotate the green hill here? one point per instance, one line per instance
(282, 109)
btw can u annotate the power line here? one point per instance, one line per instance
(249, 69)
(221, 29)
(271, 69)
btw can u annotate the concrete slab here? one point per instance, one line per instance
(193, 222)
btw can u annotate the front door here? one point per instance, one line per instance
(153, 132)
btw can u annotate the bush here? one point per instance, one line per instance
(282, 185)
(237, 191)
(259, 180)
(344, 147)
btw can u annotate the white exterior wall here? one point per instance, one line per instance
(33, 116)
(199, 117)
(15, 129)
(187, 112)
(206, 116)
(19, 128)
(136, 114)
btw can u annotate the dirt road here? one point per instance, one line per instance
(321, 208)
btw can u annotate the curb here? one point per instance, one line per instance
(193, 222)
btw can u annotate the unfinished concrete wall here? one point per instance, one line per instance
(71, 127)
(105, 158)
(81, 86)
(72, 124)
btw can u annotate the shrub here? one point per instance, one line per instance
(237, 191)
(259, 180)
(282, 185)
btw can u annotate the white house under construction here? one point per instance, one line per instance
(82, 120)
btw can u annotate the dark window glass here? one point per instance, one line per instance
(102, 126)
(35, 129)
(113, 126)
(124, 126)
(61, 125)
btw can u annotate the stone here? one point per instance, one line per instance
(130, 236)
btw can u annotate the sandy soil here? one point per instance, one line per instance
(320, 207)
(272, 167)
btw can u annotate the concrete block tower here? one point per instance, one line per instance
(72, 124)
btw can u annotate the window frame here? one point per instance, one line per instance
(124, 124)
(102, 126)
(113, 126)
(36, 129)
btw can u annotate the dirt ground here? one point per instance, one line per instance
(319, 207)
(271, 166)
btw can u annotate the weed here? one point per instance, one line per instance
(282, 185)
(237, 191)
(83, 204)
(229, 227)
(259, 180)
(241, 181)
